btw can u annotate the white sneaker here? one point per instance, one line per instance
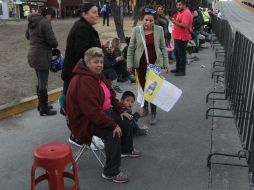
(98, 142)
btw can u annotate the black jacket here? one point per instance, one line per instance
(42, 40)
(196, 23)
(81, 37)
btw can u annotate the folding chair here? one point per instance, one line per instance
(99, 154)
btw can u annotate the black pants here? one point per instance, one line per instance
(42, 77)
(153, 107)
(115, 146)
(180, 54)
(65, 86)
(105, 16)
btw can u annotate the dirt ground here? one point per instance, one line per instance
(17, 79)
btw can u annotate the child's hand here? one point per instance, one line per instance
(140, 112)
(119, 58)
(127, 115)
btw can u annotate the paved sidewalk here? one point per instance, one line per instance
(174, 152)
(238, 17)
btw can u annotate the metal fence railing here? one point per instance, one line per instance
(238, 81)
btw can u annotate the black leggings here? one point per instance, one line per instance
(115, 146)
(42, 77)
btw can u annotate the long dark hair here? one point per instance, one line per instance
(44, 11)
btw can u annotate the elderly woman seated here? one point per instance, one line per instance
(92, 109)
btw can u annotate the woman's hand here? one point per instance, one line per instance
(129, 69)
(117, 131)
(127, 115)
(166, 70)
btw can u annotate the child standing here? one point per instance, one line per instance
(128, 99)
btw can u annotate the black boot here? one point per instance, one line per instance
(145, 109)
(38, 107)
(153, 119)
(43, 98)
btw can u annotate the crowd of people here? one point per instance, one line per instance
(92, 68)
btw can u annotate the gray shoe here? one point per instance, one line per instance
(153, 119)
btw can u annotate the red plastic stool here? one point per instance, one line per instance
(53, 158)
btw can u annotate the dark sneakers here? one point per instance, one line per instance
(132, 154)
(180, 74)
(75, 141)
(142, 130)
(119, 178)
(117, 89)
(174, 71)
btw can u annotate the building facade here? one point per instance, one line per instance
(68, 8)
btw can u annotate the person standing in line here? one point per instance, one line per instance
(181, 34)
(42, 40)
(196, 27)
(105, 12)
(82, 36)
(163, 22)
(153, 36)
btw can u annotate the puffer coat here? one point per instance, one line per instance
(42, 40)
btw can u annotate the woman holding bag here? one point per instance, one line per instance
(42, 40)
(147, 46)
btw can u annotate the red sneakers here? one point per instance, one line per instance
(119, 178)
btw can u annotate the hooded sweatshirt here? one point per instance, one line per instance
(84, 104)
(42, 40)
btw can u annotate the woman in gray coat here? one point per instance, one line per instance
(42, 40)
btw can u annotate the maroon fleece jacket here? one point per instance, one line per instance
(84, 101)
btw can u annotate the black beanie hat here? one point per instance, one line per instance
(86, 6)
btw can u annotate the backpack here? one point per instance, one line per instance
(104, 9)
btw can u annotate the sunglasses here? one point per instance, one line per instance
(150, 11)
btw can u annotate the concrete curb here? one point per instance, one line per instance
(245, 6)
(11, 109)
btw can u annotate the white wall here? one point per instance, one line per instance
(5, 10)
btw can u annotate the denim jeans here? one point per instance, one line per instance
(195, 37)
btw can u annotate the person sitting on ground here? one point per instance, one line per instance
(120, 66)
(99, 114)
(128, 100)
(110, 60)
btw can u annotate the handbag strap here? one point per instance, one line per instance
(144, 43)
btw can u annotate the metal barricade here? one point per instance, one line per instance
(239, 89)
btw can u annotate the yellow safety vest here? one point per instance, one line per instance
(205, 17)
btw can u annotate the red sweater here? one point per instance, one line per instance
(84, 102)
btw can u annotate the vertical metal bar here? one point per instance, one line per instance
(249, 95)
(243, 92)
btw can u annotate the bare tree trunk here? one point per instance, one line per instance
(137, 11)
(117, 12)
